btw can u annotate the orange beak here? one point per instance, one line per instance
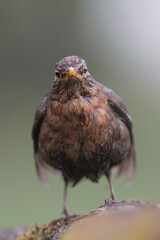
(72, 72)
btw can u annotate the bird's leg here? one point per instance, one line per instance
(65, 212)
(113, 196)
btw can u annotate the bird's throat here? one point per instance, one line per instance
(70, 89)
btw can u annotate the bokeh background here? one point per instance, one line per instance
(120, 41)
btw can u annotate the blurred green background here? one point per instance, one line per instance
(120, 41)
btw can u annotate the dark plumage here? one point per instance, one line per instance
(82, 128)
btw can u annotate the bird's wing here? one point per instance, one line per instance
(39, 117)
(117, 105)
(40, 163)
(119, 108)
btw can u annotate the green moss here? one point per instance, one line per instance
(47, 231)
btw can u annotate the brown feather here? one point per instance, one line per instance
(82, 128)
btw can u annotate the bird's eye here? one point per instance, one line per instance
(57, 74)
(63, 75)
(85, 69)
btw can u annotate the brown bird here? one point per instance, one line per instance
(82, 129)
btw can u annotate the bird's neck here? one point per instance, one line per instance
(65, 91)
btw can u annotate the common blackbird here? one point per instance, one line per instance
(82, 129)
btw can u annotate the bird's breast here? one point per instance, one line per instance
(76, 128)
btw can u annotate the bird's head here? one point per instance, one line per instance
(71, 68)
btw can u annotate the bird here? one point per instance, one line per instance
(82, 129)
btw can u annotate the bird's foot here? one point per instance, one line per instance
(113, 197)
(110, 201)
(65, 213)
